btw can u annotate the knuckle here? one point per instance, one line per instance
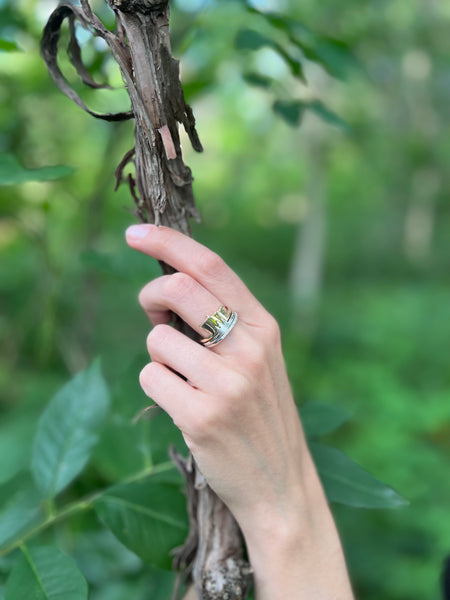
(210, 263)
(162, 241)
(235, 388)
(255, 361)
(158, 336)
(146, 375)
(212, 420)
(142, 296)
(178, 286)
(203, 425)
(222, 413)
(272, 330)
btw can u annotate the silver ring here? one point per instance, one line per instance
(219, 326)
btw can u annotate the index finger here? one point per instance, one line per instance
(202, 264)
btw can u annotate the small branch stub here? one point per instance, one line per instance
(167, 140)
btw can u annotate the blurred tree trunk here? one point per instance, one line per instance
(420, 212)
(307, 262)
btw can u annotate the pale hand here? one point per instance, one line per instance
(237, 415)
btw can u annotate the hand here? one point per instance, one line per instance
(235, 407)
(235, 410)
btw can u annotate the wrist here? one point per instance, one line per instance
(291, 518)
(296, 553)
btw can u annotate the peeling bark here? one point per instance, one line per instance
(212, 556)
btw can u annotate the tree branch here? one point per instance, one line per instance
(162, 190)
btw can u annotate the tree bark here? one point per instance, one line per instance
(212, 556)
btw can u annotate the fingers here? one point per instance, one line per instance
(170, 347)
(180, 294)
(203, 265)
(169, 391)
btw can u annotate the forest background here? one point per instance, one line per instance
(337, 219)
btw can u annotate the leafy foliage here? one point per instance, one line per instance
(376, 342)
(146, 513)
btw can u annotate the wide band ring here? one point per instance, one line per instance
(219, 326)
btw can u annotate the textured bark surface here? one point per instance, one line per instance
(161, 187)
(212, 553)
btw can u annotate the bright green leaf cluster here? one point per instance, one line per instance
(147, 513)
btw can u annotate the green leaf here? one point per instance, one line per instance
(102, 557)
(120, 430)
(279, 21)
(12, 173)
(148, 517)
(292, 112)
(348, 483)
(119, 433)
(8, 46)
(147, 440)
(258, 80)
(334, 55)
(327, 115)
(20, 507)
(157, 584)
(319, 419)
(46, 574)
(289, 110)
(68, 431)
(249, 39)
(194, 88)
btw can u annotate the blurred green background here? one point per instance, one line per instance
(340, 229)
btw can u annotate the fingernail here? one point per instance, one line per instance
(137, 232)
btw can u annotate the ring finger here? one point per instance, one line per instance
(181, 294)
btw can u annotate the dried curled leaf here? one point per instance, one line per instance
(77, 61)
(49, 49)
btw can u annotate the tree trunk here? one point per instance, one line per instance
(212, 556)
(305, 280)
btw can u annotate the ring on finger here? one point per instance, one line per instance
(219, 326)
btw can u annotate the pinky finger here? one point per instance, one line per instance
(174, 395)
